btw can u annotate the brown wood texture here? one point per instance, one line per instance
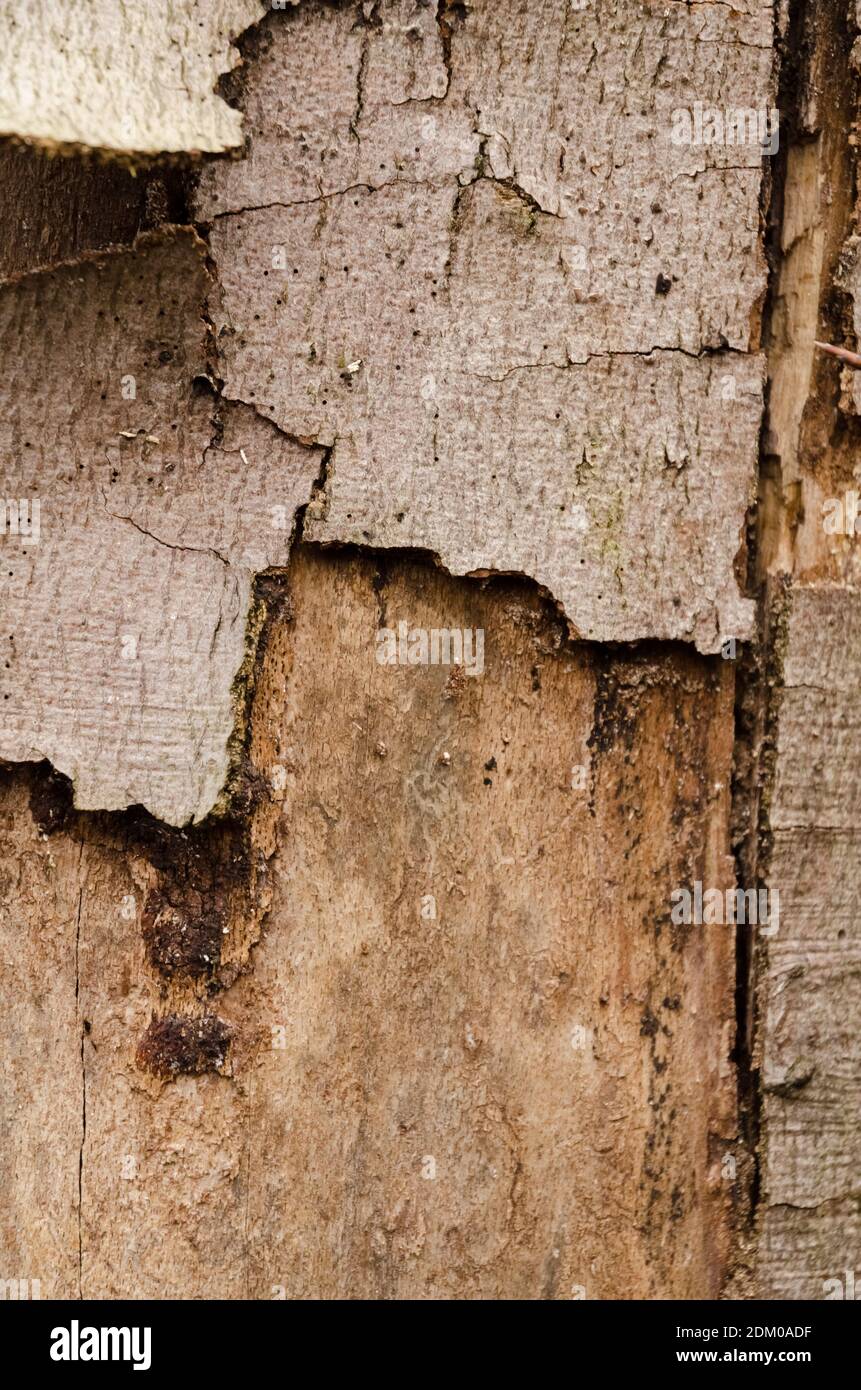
(521, 1088)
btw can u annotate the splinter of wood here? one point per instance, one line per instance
(851, 358)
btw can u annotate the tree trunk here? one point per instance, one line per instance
(421, 614)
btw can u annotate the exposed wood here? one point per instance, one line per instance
(520, 1089)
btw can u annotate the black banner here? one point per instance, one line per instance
(83, 1339)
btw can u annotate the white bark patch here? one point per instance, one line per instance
(126, 77)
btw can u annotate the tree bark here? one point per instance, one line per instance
(341, 946)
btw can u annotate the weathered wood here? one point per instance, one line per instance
(522, 1089)
(387, 1000)
(812, 1059)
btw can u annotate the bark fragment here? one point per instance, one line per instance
(811, 1231)
(122, 78)
(126, 610)
(491, 311)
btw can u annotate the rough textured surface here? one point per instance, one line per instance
(482, 396)
(491, 285)
(121, 77)
(547, 1038)
(812, 1058)
(809, 1228)
(462, 293)
(125, 625)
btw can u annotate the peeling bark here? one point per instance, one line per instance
(126, 625)
(73, 76)
(811, 1072)
(554, 291)
(326, 977)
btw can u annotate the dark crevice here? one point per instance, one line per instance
(449, 14)
(56, 208)
(318, 495)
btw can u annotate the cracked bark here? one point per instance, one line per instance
(276, 1038)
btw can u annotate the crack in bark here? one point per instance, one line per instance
(320, 198)
(443, 23)
(361, 73)
(853, 1195)
(318, 494)
(169, 545)
(708, 351)
(509, 183)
